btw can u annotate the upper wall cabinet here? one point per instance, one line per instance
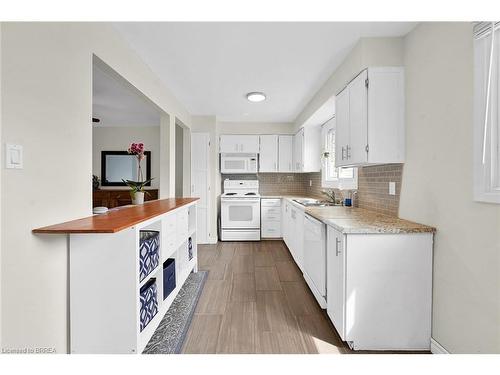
(285, 150)
(370, 119)
(236, 143)
(307, 149)
(268, 156)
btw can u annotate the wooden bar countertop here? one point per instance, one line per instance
(117, 219)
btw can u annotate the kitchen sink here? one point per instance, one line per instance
(309, 202)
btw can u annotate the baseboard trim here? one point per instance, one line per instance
(437, 348)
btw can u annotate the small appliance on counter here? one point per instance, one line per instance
(240, 211)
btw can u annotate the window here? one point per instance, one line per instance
(331, 177)
(486, 112)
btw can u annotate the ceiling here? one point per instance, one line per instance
(116, 104)
(210, 67)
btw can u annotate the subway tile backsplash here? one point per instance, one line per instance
(373, 186)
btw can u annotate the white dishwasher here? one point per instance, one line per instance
(315, 258)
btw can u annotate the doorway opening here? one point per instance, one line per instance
(121, 116)
(182, 160)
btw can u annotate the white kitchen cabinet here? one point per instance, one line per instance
(335, 280)
(297, 236)
(379, 289)
(268, 156)
(239, 143)
(270, 217)
(285, 148)
(307, 149)
(298, 153)
(370, 118)
(342, 130)
(286, 220)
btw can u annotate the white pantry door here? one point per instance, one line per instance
(200, 182)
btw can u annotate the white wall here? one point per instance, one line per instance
(118, 139)
(367, 52)
(437, 188)
(46, 81)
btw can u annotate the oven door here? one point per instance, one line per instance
(241, 213)
(238, 164)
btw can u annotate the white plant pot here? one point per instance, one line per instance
(138, 197)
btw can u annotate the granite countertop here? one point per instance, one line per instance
(360, 220)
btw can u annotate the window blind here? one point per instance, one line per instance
(483, 29)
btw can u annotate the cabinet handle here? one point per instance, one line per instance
(337, 243)
(348, 152)
(342, 152)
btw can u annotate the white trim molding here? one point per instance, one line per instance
(437, 348)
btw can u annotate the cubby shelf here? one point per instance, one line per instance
(105, 286)
(152, 274)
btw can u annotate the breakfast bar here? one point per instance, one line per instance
(125, 268)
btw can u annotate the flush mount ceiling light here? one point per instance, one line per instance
(256, 96)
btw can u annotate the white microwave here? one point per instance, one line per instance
(238, 163)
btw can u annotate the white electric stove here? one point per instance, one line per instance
(240, 211)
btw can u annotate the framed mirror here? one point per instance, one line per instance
(118, 165)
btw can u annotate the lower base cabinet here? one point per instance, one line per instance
(379, 289)
(270, 218)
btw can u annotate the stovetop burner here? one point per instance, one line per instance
(230, 194)
(250, 194)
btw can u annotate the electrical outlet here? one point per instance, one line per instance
(392, 188)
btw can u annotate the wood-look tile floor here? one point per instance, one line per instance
(255, 300)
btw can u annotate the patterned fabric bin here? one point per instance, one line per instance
(149, 303)
(190, 248)
(149, 246)
(168, 277)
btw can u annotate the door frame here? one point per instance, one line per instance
(206, 135)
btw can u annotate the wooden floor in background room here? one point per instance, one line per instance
(256, 301)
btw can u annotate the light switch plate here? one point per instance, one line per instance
(13, 156)
(392, 188)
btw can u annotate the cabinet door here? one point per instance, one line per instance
(287, 220)
(291, 232)
(285, 147)
(298, 151)
(229, 143)
(268, 156)
(249, 144)
(386, 117)
(358, 120)
(342, 127)
(311, 149)
(299, 238)
(335, 275)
